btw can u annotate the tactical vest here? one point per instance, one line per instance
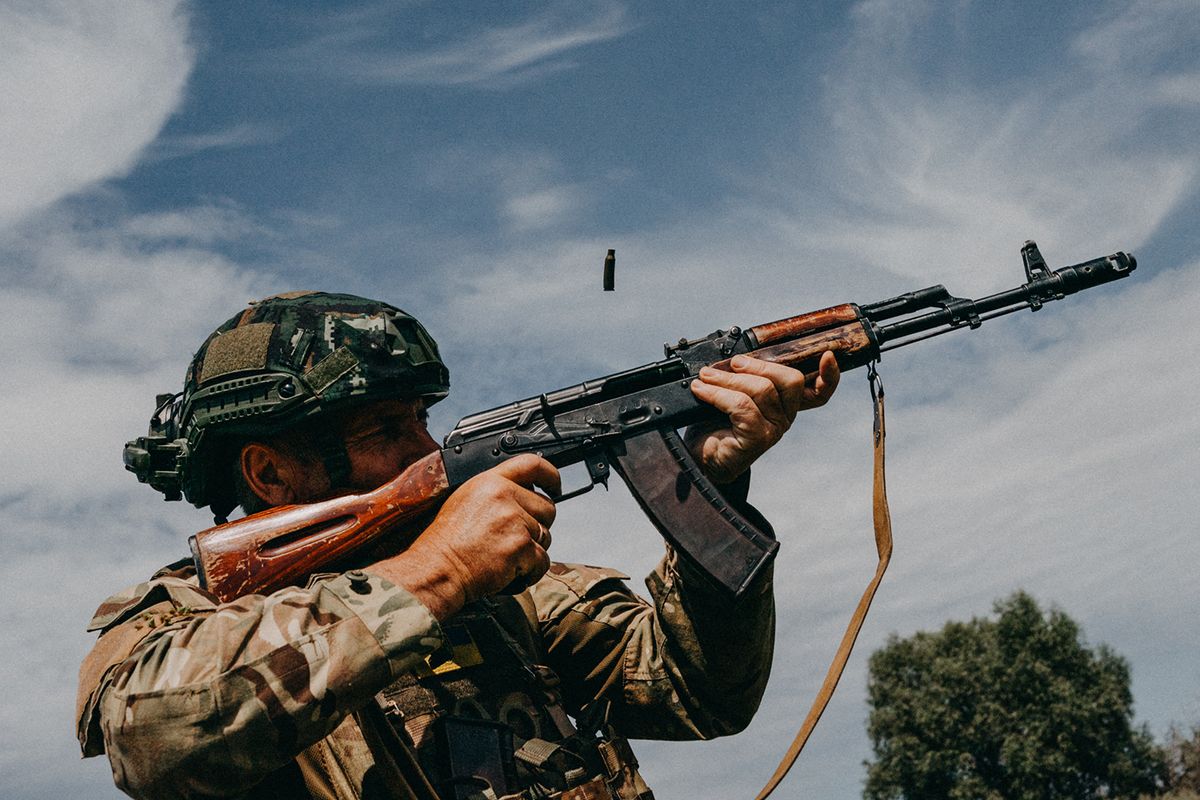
(487, 722)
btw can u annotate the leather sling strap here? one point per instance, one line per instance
(883, 545)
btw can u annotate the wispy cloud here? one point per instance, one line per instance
(99, 314)
(528, 190)
(245, 134)
(1180, 90)
(503, 56)
(540, 207)
(535, 192)
(1138, 35)
(954, 171)
(208, 224)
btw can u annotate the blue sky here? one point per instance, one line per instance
(161, 163)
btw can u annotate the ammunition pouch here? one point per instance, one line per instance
(488, 724)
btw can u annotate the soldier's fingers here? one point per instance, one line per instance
(824, 382)
(531, 471)
(788, 382)
(744, 414)
(542, 538)
(532, 561)
(538, 533)
(536, 505)
(761, 391)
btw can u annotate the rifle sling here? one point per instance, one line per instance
(883, 545)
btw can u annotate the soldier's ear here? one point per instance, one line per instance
(271, 473)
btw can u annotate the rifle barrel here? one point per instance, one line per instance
(956, 312)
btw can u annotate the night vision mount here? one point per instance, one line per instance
(158, 457)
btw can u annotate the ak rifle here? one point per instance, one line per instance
(627, 422)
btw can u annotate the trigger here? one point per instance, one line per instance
(598, 472)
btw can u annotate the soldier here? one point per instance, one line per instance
(414, 675)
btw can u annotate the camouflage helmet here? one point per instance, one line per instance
(283, 360)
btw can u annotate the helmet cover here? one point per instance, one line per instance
(284, 359)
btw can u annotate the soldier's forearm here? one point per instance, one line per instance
(717, 654)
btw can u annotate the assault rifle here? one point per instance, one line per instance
(626, 422)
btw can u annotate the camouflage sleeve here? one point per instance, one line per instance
(214, 698)
(693, 665)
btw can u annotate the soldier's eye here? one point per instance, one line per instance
(391, 431)
(376, 435)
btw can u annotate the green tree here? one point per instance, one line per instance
(1016, 708)
(1182, 753)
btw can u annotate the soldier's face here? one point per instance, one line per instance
(383, 438)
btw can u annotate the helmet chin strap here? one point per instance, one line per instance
(221, 509)
(332, 451)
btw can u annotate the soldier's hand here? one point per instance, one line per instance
(761, 399)
(491, 534)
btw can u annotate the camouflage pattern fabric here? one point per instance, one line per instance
(212, 698)
(693, 666)
(191, 699)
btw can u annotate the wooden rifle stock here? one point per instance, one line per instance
(284, 545)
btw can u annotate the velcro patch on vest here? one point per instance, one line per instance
(459, 652)
(329, 369)
(239, 349)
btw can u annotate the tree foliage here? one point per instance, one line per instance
(1182, 754)
(1008, 709)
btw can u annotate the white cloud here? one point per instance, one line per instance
(540, 208)
(84, 88)
(1179, 90)
(1137, 35)
(531, 191)
(100, 317)
(200, 225)
(495, 57)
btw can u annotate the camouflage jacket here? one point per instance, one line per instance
(272, 696)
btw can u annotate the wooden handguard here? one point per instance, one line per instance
(790, 328)
(282, 546)
(850, 342)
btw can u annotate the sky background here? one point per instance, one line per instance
(162, 163)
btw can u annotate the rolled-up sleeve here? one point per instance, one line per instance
(213, 699)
